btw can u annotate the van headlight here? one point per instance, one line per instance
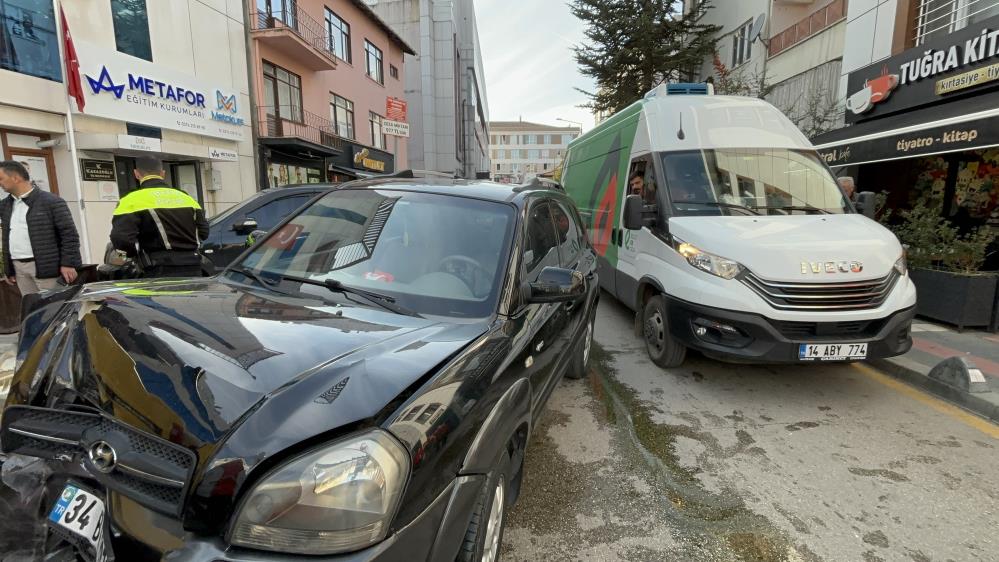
(338, 498)
(715, 265)
(901, 266)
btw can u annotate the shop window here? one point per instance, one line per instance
(131, 28)
(28, 40)
(742, 44)
(342, 114)
(938, 18)
(393, 71)
(373, 57)
(282, 93)
(339, 35)
(375, 126)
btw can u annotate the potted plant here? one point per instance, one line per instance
(945, 267)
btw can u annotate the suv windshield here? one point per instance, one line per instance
(749, 181)
(434, 254)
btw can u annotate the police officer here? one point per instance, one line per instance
(159, 226)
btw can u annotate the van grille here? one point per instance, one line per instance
(852, 295)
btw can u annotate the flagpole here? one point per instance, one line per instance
(71, 135)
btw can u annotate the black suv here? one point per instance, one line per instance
(361, 385)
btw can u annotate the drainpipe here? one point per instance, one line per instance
(251, 79)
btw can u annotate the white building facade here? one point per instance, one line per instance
(445, 84)
(163, 78)
(521, 150)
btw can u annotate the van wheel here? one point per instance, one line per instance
(581, 357)
(663, 348)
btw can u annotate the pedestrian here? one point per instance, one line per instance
(159, 226)
(848, 186)
(40, 241)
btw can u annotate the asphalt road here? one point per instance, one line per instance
(723, 462)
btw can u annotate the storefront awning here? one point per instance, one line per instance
(918, 133)
(299, 148)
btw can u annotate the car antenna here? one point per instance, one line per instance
(679, 134)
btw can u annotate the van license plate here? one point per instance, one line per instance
(831, 351)
(81, 512)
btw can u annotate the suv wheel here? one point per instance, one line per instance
(664, 350)
(484, 536)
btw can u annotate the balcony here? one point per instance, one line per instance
(293, 129)
(296, 34)
(809, 26)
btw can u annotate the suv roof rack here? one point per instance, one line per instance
(409, 174)
(539, 183)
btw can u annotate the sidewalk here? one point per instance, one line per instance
(8, 352)
(931, 344)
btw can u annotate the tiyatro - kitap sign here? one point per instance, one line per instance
(938, 70)
(126, 88)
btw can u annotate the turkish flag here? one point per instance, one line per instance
(73, 83)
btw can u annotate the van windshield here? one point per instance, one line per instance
(750, 181)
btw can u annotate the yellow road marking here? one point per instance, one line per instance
(945, 408)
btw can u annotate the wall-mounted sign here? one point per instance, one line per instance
(395, 109)
(132, 142)
(97, 170)
(363, 158)
(395, 128)
(935, 140)
(108, 190)
(126, 88)
(223, 154)
(931, 73)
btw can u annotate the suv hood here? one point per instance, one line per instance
(224, 369)
(787, 248)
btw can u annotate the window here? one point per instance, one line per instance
(373, 58)
(568, 235)
(131, 28)
(546, 166)
(342, 115)
(742, 46)
(938, 18)
(504, 139)
(533, 154)
(497, 167)
(501, 153)
(338, 32)
(514, 153)
(269, 215)
(375, 122)
(530, 139)
(556, 139)
(540, 252)
(393, 71)
(30, 44)
(282, 93)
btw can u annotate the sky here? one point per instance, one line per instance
(528, 62)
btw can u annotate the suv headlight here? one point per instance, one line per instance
(901, 266)
(715, 265)
(337, 498)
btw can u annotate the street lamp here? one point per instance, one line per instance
(576, 123)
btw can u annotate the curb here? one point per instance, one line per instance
(917, 374)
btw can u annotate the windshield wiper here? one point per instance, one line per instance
(795, 208)
(718, 204)
(384, 301)
(269, 284)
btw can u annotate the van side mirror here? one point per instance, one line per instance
(633, 206)
(866, 203)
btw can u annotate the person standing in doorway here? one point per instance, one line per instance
(848, 186)
(40, 241)
(158, 225)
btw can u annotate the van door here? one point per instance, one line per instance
(641, 181)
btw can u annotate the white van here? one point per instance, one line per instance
(718, 223)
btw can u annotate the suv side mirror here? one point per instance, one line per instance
(866, 203)
(247, 226)
(556, 284)
(633, 206)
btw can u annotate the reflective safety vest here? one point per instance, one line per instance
(157, 218)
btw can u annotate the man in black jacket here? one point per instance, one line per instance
(40, 242)
(158, 225)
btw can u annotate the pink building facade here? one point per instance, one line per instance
(323, 72)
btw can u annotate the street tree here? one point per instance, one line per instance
(633, 46)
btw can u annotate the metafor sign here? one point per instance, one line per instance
(126, 88)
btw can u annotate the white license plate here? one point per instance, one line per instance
(82, 513)
(831, 351)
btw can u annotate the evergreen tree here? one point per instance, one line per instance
(634, 45)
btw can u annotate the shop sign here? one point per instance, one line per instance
(935, 140)
(363, 158)
(97, 170)
(147, 144)
(395, 128)
(395, 109)
(223, 154)
(926, 75)
(126, 88)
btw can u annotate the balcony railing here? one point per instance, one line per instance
(295, 122)
(294, 19)
(823, 18)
